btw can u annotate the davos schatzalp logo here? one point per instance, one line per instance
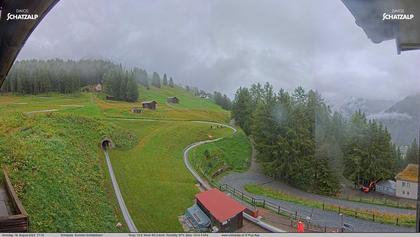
(397, 14)
(21, 14)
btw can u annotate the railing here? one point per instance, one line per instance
(399, 220)
(19, 222)
(293, 216)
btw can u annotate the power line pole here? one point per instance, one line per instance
(418, 191)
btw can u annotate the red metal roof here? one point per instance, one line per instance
(221, 206)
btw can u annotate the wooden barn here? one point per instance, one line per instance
(173, 100)
(136, 110)
(149, 104)
(225, 213)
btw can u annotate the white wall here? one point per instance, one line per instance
(406, 189)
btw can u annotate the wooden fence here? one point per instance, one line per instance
(293, 216)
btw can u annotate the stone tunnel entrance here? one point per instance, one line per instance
(106, 144)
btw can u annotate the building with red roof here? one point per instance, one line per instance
(225, 213)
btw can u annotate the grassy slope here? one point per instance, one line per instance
(154, 181)
(233, 151)
(190, 107)
(81, 104)
(59, 178)
(82, 171)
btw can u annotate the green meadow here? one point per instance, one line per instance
(50, 146)
(232, 153)
(156, 186)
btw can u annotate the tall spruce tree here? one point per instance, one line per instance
(156, 80)
(412, 156)
(171, 82)
(132, 92)
(165, 80)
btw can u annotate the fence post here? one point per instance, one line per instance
(295, 214)
(373, 217)
(242, 196)
(355, 214)
(339, 209)
(253, 201)
(325, 228)
(263, 203)
(397, 220)
(278, 210)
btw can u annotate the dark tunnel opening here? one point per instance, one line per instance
(106, 144)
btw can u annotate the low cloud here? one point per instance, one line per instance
(390, 116)
(222, 45)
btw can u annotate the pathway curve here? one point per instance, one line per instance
(207, 186)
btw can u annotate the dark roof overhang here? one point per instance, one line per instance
(14, 33)
(369, 15)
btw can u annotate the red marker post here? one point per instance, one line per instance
(300, 227)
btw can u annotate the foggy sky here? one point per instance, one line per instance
(223, 44)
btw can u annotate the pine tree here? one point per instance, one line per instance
(241, 110)
(132, 92)
(412, 155)
(171, 82)
(156, 80)
(165, 80)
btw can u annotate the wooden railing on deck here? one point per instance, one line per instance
(19, 222)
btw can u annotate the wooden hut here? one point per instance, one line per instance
(149, 104)
(136, 110)
(172, 100)
(225, 213)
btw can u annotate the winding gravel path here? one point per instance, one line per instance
(207, 186)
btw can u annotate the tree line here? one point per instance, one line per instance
(121, 84)
(300, 140)
(69, 76)
(54, 75)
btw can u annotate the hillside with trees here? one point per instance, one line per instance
(300, 140)
(68, 76)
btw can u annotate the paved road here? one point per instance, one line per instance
(254, 175)
(131, 226)
(324, 218)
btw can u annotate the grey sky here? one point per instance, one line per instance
(223, 44)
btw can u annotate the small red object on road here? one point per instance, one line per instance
(300, 227)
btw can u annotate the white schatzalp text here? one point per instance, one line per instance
(397, 14)
(21, 14)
